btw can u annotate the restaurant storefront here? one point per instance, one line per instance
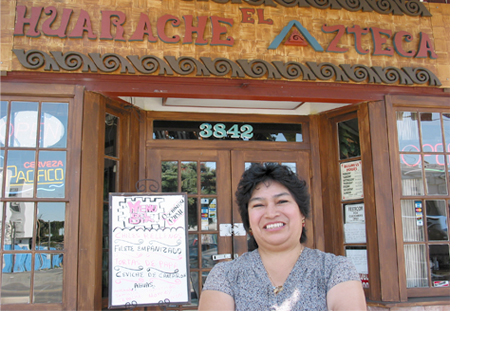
(112, 96)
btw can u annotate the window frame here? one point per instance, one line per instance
(73, 96)
(414, 104)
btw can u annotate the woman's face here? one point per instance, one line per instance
(275, 217)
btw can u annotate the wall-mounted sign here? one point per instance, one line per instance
(354, 223)
(325, 42)
(148, 254)
(351, 179)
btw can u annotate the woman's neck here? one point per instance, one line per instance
(279, 263)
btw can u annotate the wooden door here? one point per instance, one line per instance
(210, 178)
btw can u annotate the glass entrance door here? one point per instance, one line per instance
(210, 179)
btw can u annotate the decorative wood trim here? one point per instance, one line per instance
(219, 67)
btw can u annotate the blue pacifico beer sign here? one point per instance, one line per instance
(168, 29)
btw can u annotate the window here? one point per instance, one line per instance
(424, 165)
(33, 206)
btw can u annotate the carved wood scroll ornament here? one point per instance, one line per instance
(206, 67)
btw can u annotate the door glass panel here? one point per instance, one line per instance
(193, 251)
(208, 248)
(48, 278)
(208, 214)
(189, 177)
(432, 140)
(435, 174)
(23, 124)
(111, 135)
(110, 180)
(413, 220)
(19, 226)
(16, 279)
(349, 139)
(411, 175)
(195, 289)
(192, 214)
(440, 265)
(208, 177)
(20, 173)
(169, 176)
(408, 135)
(54, 124)
(51, 174)
(437, 223)
(416, 266)
(50, 226)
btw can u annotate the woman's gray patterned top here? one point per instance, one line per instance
(314, 274)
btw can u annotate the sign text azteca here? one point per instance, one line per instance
(217, 31)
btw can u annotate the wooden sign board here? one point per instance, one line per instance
(148, 250)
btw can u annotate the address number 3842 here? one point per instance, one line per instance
(219, 131)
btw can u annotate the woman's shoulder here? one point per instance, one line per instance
(324, 257)
(331, 264)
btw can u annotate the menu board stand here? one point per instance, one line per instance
(148, 250)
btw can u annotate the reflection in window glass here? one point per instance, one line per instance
(408, 135)
(208, 214)
(208, 177)
(1, 221)
(16, 279)
(437, 222)
(349, 139)
(192, 214)
(440, 265)
(193, 251)
(432, 140)
(111, 136)
(48, 278)
(169, 171)
(110, 180)
(51, 174)
(411, 175)
(24, 124)
(208, 248)
(50, 226)
(2, 158)
(435, 174)
(413, 220)
(54, 125)
(189, 177)
(416, 266)
(20, 173)
(19, 225)
(446, 127)
(3, 121)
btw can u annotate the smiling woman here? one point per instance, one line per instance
(281, 274)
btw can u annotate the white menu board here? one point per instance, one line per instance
(351, 180)
(148, 251)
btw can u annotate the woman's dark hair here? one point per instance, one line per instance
(259, 173)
